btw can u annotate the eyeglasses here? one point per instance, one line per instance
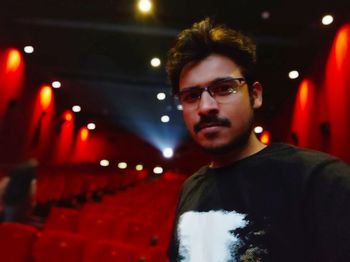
(220, 90)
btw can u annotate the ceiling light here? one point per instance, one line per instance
(293, 74)
(258, 129)
(56, 84)
(161, 96)
(168, 152)
(165, 119)
(145, 6)
(139, 167)
(28, 49)
(265, 15)
(327, 20)
(122, 165)
(76, 108)
(91, 126)
(179, 107)
(157, 170)
(104, 162)
(155, 62)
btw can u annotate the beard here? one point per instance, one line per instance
(236, 142)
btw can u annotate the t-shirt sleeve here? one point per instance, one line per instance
(327, 212)
(173, 244)
(189, 184)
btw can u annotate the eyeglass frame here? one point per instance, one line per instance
(207, 88)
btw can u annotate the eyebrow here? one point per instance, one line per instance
(216, 80)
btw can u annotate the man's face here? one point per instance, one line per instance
(219, 127)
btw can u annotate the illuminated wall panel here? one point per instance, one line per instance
(337, 84)
(304, 123)
(41, 124)
(11, 77)
(64, 140)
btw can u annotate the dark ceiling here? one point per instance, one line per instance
(100, 51)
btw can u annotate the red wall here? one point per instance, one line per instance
(321, 116)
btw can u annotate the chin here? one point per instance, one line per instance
(236, 143)
(217, 150)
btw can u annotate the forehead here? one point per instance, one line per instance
(204, 71)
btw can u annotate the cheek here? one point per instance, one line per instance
(240, 114)
(189, 119)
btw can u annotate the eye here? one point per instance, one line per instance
(223, 88)
(190, 96)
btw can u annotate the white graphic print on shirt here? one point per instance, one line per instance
(208, 236)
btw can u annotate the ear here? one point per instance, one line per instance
(257, 98)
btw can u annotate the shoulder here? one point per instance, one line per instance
(318, 161)
(297, 166)
(320, 171)
(194, 182)
(305, 158)
(196, 178)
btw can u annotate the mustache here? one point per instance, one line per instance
(210, 120)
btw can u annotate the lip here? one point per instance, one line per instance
(210, 128)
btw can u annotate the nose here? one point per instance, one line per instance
(207, 104)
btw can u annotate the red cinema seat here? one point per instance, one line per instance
(135, 232)
(96, 227)
(62, 219)
(157, 254)
(53, 246)
(110, 251)
(121, 212)
(94, 208)
(16, 242)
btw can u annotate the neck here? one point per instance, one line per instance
(252, 146)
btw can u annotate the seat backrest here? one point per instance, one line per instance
(136, 232)
(157, 254)
(53, 246)
(62, 219)
(16, 242)
(112, 251)
(94, 226)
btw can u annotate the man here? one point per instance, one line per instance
(252, 202)
(19, 194)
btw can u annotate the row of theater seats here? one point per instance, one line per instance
(55, 185)
(133, 225)
(24, 243)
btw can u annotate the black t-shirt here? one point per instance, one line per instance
(280, 204)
